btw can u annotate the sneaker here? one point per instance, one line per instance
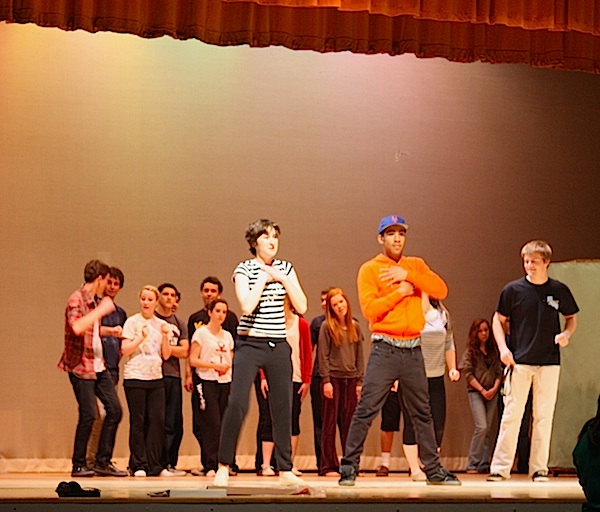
(382, 471)
(540, 476)
(221, 476)
(108, 470)
(419, 476)
(496, 477)
(233, 471)
(472, 471)
(211, 473)
(268, 471)
(82, 471)
(175, 471)
(443, 477)
(348, 475)
(288, 478)
(166, 473)
(296, 471)
(139, 473)
(197, 472)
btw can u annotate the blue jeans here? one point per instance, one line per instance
(483, 416)
(386, 364)
(86, 392)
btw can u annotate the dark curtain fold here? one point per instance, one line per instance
(564, 37)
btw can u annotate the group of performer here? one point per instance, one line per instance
(270, 349)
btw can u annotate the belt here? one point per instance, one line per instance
(408, 344)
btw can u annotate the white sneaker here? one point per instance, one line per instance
(222, 476)
(268, 471)
(140, 473)
(288, 478)
(166, 472)
(296, 471)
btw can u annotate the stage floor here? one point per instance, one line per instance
(36, 492)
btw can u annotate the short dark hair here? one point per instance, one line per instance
(256, 229)
(212, 280)
(168, 285)
(93, 269)
(117, 274)
(211, 305)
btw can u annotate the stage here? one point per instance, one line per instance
(247, 492)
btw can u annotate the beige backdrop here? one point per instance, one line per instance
(155, 154)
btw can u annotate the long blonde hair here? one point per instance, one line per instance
(337, 327)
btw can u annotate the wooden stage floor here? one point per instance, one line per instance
(247, 492)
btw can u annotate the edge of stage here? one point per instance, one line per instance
(247, 492)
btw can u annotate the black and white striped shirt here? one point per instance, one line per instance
(268, 319)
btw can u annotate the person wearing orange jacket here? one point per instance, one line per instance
(390, 288)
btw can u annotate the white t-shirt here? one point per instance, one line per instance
(214, 349)
(145, 363)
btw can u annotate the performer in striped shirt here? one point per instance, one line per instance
(261, 285)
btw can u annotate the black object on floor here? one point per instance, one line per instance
(74, 490)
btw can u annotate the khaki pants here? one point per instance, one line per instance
(544, 380)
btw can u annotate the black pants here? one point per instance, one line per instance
(173, 421)
(146, 402)
(316, 402)
(274, 357)
(213, 401)
(387, 364)
(86, 392)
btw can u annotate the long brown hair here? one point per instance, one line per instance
(473, 341)
(337, 327)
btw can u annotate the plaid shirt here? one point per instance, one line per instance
(78, 355)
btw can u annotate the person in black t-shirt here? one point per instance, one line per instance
(532, 306)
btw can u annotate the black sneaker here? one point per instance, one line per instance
(82, 471)
(540, 476)
(382, 471)
(348, 475)
(108, 470)
(496, 477)
(443, 477)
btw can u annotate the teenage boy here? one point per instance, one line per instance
(531, 306)
(389, 291)
(211, 288)
(178, 339)
(110, 330)
(83, 359)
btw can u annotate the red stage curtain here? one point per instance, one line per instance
(547, 33)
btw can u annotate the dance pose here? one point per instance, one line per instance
(439, 352)
(145, 344)
(261, 285)
(389, 290)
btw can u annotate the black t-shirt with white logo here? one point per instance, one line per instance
(533, 310)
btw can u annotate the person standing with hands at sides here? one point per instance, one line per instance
(483, 373)
(84, 361)
(211, 355)
(532, 306)
(261, 285)
(341, 362)
(389, 289)
(145, 344)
